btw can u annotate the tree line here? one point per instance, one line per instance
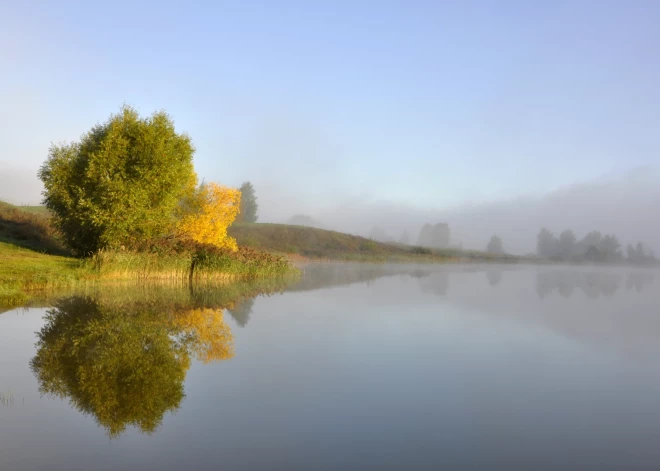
(594, 247)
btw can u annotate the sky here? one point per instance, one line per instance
(339, 107)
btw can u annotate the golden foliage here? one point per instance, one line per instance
(211, 337)
(210, 212)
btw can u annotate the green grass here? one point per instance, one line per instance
(36, 209)
(32, 259)
(312, 243)
(23, 270)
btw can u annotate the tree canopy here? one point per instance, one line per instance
(249, 206)
(495, 245)
(208, 213)
(120, 184)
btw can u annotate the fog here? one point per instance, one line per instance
(623, 204)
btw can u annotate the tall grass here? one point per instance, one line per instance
(201, 264)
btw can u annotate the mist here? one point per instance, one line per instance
(624, 204)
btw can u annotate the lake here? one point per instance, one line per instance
(352, 367)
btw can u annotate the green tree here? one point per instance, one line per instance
(495, 245)
(249, 206)
(121, 184)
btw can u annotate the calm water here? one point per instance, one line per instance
(355, 367)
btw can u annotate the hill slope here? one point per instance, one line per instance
(28, 227)
(323, 244)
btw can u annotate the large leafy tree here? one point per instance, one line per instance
(249, 206)
(120, 184)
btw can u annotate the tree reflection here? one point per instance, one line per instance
(125, 364)
(494, 277)
(436, 283)
(638, 280)
(241, 311)
(592, 284)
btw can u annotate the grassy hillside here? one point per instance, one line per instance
(315, 243)
(29, 227)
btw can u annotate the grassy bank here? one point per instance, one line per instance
(320, 244)
(24, 271)
(32, 259)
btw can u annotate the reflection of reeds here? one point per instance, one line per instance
(7, 399)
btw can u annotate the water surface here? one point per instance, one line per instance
(354, 367)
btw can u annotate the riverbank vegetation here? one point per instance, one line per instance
(125, 203)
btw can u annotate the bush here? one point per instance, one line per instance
(421, 251)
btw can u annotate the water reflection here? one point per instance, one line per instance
(125, 363)
(123, 357)
(241, 311)
(436, 283)
(639, 280)
(592, 284)
(436, 279)
(494, 277)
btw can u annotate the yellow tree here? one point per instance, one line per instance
(208, 215)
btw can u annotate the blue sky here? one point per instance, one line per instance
(427, 104)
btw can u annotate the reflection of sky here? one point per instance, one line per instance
(446, 368)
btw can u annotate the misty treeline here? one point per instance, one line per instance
(594, 247)
(434, 236)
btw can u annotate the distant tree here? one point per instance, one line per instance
(567, 242)
(640, 254)
(405, 238)
(249, 206)
(436, 236)
(495, 245)
(120, 184)
(547, 244)
(610, 247)
(593, 238)
(593, 254)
